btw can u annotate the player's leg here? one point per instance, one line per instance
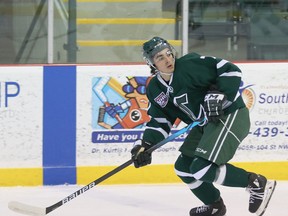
(259, 188)
(218, 145)
(206, 192)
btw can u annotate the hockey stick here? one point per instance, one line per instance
(101, 118)
(38, 211)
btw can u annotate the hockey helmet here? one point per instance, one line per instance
(152, 47)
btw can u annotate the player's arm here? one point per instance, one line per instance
(228, 79)
(224, 90)
(157, 129)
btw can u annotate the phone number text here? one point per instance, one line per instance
(269, 132)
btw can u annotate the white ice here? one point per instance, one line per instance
(134, 200)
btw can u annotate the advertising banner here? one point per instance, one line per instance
(115, 108)
(60, 120)
(21, 106)
(112, 111)
(265, 91)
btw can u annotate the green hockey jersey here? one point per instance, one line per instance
(183, 96)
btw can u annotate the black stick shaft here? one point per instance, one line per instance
(117, 169)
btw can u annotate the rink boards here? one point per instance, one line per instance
(54, 129)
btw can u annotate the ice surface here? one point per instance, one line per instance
(134, 200)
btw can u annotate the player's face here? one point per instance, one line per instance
(164, 61)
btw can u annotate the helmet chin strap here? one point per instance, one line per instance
(163, 73)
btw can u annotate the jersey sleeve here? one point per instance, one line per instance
(228, 79)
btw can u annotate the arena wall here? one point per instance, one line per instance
(54, 129)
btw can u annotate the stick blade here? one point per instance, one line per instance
(26, 209)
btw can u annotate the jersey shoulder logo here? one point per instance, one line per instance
(161, 99)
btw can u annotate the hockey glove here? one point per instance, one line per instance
(214, 103)
(113, 110)
(139, 156)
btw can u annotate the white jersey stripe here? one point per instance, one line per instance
(216, 143)
(232, 73)
(164, 121)
(195, 184)
(237, 95)
(226, 125)
(227, 132)
(160, 130)
(198, 175)
(221, 174)
(221, 63)
(183, 174)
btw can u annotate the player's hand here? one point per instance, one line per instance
(113, 110)
(139, 156)
(214, 103)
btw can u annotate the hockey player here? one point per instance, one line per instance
(193, 88)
